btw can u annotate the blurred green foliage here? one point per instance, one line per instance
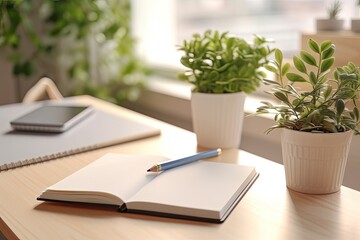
(93, 36)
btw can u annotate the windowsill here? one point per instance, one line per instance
(169, 100)
(182, 90)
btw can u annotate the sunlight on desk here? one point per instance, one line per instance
(268, 210)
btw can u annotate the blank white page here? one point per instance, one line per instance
(202, 188)
(119, 174)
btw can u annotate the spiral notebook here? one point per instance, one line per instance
(100, 129)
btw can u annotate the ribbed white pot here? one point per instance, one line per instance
(315, 162)
(218, 119)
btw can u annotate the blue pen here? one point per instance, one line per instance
(179, 162)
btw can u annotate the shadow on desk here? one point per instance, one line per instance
(105, 211)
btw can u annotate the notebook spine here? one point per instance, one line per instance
(26, 162)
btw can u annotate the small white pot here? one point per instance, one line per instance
(315, 162)
(329, 24)
(218, 119)
(355, 25)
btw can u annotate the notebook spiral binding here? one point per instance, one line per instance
(31, 161)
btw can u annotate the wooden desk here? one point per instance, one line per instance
(268, 211)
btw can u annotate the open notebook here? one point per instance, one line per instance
(99, 129)
(203, 190)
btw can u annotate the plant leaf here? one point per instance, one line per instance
(271, 82)
(330, 127)
(271, 68)
(224, 67)
(356, 113)
(293, 90)
(299, 64)
(327, 91)
(281, 97)
(213, 76)
(328, 52)
(308, 58)
(293, 77)
(278, 56)
(325, 45)
(314, 45)
(327, 64)
(340, 106)
(312, 78)
(285, 68)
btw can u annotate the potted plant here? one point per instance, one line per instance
(222, 69)
(317, 124)
(355, 22)
(332, 23)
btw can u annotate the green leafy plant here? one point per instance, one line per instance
(93, 36)
(323, 108)
(335, 9)
(218, 63)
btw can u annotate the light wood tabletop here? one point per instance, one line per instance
(268, 210)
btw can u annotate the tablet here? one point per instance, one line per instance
(51, 118)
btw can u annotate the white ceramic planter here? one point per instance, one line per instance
(355, 25)
(218, 119)
(315, 162)
(329, 24)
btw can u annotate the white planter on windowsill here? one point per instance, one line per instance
(315, 162)
(218, 119)
(330, 24)
(355, 25)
